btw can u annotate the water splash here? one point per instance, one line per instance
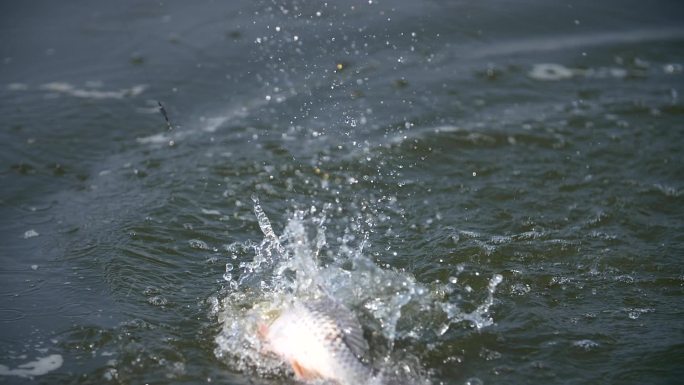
(392, 305)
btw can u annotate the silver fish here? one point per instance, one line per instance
(321, 340)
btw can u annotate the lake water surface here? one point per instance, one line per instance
(496, 189)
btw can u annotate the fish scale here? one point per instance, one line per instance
(320, 339)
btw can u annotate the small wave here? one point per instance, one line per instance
(667, 190)
(565, 42)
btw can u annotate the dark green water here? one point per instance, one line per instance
(446, 143)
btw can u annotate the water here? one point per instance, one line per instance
(495, 189)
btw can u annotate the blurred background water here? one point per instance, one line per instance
(447, 141)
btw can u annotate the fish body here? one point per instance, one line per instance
(320, 339)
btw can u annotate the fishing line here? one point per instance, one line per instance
(169, 126)
(147, 78)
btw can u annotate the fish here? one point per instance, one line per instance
(321, 339)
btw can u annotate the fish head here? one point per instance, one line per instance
(277, 336)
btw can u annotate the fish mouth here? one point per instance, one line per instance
(303, 373)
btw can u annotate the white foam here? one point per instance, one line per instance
(210, 212)
(38, 367)
(550, 71)
(154, 139)
(30, 234)
(70, 89)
